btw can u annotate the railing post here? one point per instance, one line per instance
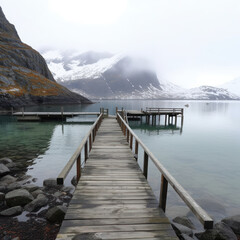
(86, 151)
(131, 140)
(145, 165)
(136, 149)
(78, 167)
(90, 142)
(127, 135)
(163, 193)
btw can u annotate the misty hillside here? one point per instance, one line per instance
(106, 76)
(24, 75)
(232, 86)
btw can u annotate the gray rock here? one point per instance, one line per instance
(7, 180)
(5, 160)
(37, 203)
(56, 214)
(58, 194)
(3, 170)
(233, 223)
(50, 182)
(13, 186)
(3, 189)
(18, 197)
(180, 229)
(13, 211)
(74, 181)
(31, 187)
(221, 231)
(12, 165)
(67, 189)
(2, 197)
(37, 192)
(185, 221)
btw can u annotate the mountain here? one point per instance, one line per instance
(232, 86)
(24, 75)
(109, 76)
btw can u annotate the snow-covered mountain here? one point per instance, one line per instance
(232, 86)
(108, 76)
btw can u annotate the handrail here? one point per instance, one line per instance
(166, 178)
(164, 110)
(89, 137)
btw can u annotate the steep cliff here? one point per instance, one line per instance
(24, 75)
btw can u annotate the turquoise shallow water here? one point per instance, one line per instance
(203, 157)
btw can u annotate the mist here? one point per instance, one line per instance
(189, 43)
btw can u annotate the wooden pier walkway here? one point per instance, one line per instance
(113, 199)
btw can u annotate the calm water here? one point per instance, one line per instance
(203, 156)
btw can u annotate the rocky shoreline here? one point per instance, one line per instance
(28, 211)
(24, 205)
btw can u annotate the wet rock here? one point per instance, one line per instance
(58, 194)
(221, 231)
(13, 186)
(56, 214)
(31, 187)
(37, 192)
(7, 180)
(177, 211)
(19, 197)
(185, 237)
(3, 170)
(180, 229)
(3, 189)
(67, 189)
(5, 160)
(74, 181)
(13, 211)
(233, 223)
(2, 197)
(37, 203)
(50, 182)
(185, 221)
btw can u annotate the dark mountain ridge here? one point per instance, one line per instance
(24, 75)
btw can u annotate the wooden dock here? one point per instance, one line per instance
(113, 199)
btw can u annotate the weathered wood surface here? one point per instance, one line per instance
(113, 200)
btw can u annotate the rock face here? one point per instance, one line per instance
(19, 197)
(107, 76)
(24, 76)
(233, 223)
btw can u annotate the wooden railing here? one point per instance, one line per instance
(76, 157)
(166, 177)
(164, 110)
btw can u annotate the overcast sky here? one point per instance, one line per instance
(190, 42)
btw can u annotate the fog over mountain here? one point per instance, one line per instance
(102, 75)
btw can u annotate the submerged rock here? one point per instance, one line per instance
(233, 223)
(185, 221)
(56, 214)
(220, 232)
(13, 211)
(180, 229)
(19, 197)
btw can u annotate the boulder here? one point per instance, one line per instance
(2, 197)
(221, 231)
(13, 186)
(3, 170)
(7, 180)
(180, 229)
(13, 211)
(185, 221)
(37, 203)
(50, 182)
(56, 214)
(36, 192)
(233, 223)
(5, 160)
(31, 187)
(19, 197)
